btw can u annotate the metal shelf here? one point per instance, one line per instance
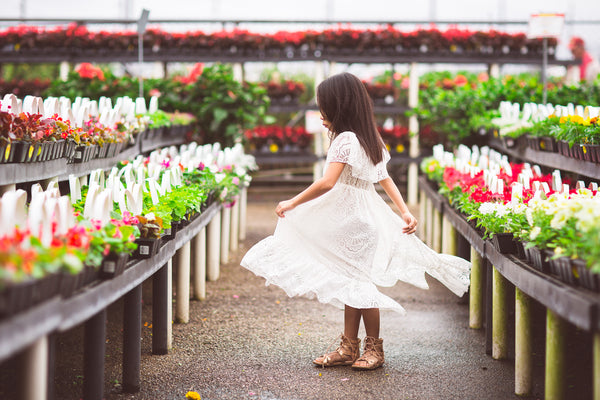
(201, 55)
(37, 171)
(21, 330)
(549, 159)
(577, 305)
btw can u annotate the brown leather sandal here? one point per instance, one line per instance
(372, 356)
(346, 353)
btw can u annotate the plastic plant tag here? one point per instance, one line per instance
(536, 186)
(90, 199)
(500, 186)
(493, 184)
(141, 175)
(579, 110)
(103, 206)
(565, 189)
(580, 185)
(537, 170)
(36, 190)
(556, 181)
(14, 211)
(74, 189)
(545, 187)
(10, 104)
(94, 108)
(154, 188)
(65, 218)
(140, 106)
(593, 186)
(571, 109)
(50, 213)
(516, 192)
(153, 106)
(165, 183)
(28, 104)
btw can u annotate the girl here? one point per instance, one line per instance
(338, 239)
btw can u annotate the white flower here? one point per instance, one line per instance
(535, 232)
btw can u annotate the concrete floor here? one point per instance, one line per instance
(249, 341)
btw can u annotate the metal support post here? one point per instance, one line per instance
(182, 310)
(499, 317)
(225, 227)
(132, 345)
(556, 332)
(199, 264)
(93, 356)
(213, 245)
(523, 344)
(476, 291)
(160, 303)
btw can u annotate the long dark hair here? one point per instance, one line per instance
(343, 100)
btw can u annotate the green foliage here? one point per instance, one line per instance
(223, 106)
(456, 112)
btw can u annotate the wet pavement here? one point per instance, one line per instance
(250, 341)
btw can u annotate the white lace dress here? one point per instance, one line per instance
(340, 246)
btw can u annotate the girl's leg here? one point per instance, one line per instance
(351, 321)
(373, 352)
(371, 320)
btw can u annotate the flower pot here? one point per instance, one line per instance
(563, 147)
(587, 278)
(45, 288)
(533, 142)
(46, 151)
(593, 151)
(147, 248)
(16, 151)
(34, 152)
(561, 267)
(113, 265)
(68, 283)
(78, 154)
(16, 297)
(504, 243)
(537, 259)
(69, 149)
(169, 233)
(547, 144)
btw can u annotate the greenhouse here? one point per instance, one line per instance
(187, 190)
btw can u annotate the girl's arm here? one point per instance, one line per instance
(316, 189)
(392, 191)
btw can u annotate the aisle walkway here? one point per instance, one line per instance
(248, 341)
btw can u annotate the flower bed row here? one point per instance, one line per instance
(77, 38)
(127, 214)
(539, 217)
(274, 138)
(31, 137)
(571, 131)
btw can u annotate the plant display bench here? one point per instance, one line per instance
(28, 336)
(494, 277)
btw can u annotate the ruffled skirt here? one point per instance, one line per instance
(340, 246)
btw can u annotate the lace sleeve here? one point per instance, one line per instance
(340, 149)
(382, 172)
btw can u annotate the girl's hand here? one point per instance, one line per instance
(284, 206)
(411, 223)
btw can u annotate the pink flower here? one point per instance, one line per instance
(236, 180)
(201, 166)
